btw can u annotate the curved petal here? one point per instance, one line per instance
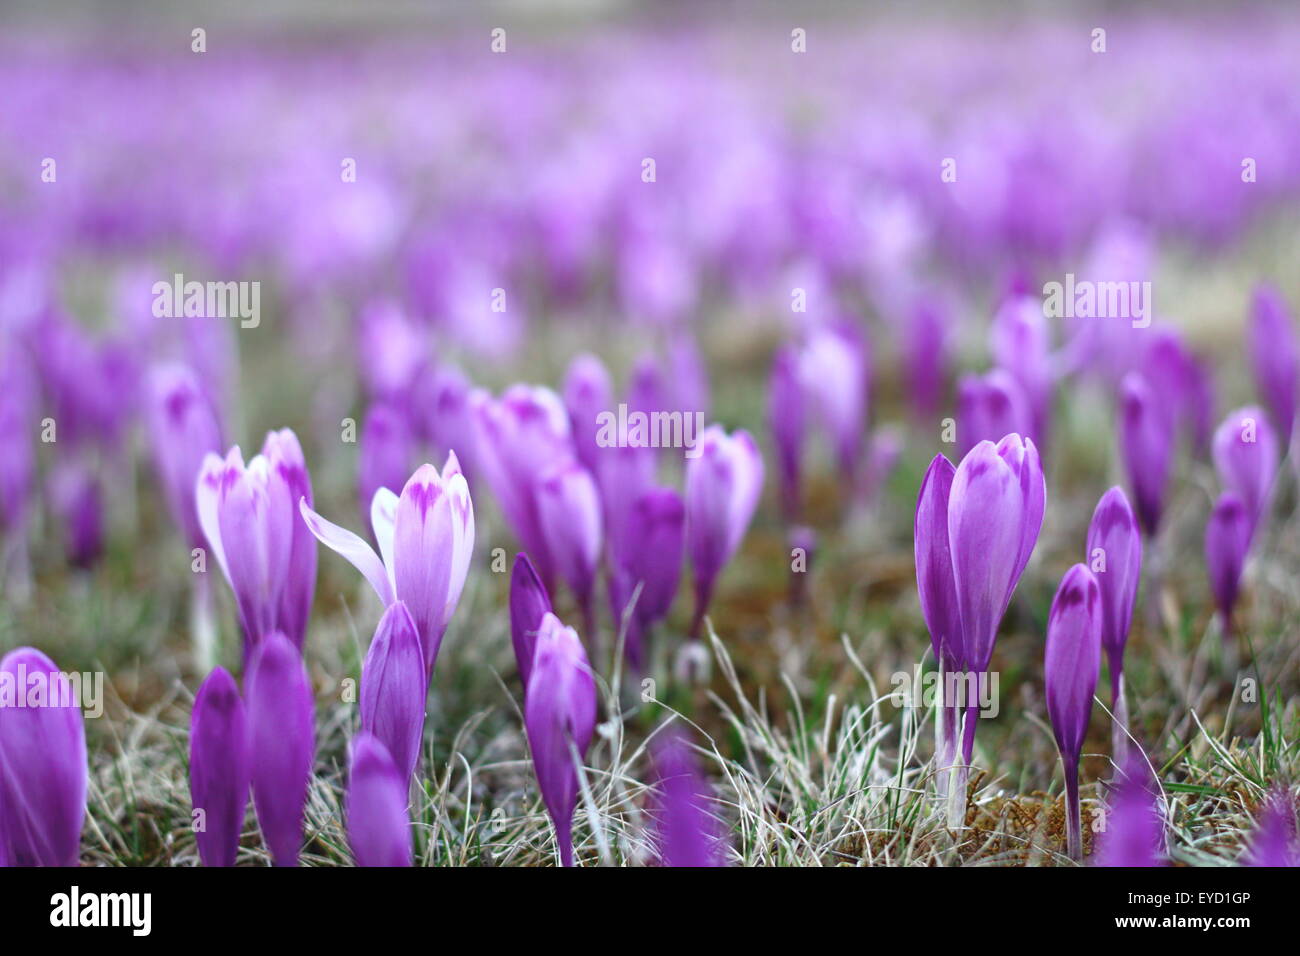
(383, 518)
(359, 554)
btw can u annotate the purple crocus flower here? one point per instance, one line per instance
(926, 356)
(723, 485)
(248, 515)
(281, 743)
(449, 419)
(1146, 442)
(988, 407)
(522, 436)
(1274, 357)
(1174, 373)
(425, 536)
(219, 767)
(385, 451)
(42, 763)
(529, 604)
(393, 688)
(1273, 843)
(17, 459)
(587, 392)
(1246, 458)
(1070, 667)
(834, 371)
(1227, 541)
(569, 512)
(184, 430)
(995, 511)
(1115, 556)
(379, 828)
(559, 717)
(686, 830)
(786, 419)
(652, 561)
(1134, 833)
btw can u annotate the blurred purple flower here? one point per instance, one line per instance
(42, 763)
(652, 560)
(77, 498)
(1020, 343)
(989, 407)
(1273, 842)
(522, 436)
(1246, 458)
(569, 511)
(1146, 443)
(385, 452)
(1274, 357)
(281, 744)
(1134, 827)
(785, 415)
(686, 830)
(379, 829)
(587, 392)
(184, 430)
(723, 485)
(220, 770)
(1227, 540)
(560, 717)
(834, 370)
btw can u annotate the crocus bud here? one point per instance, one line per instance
(989, 407)
(393, 688)
(1274, 357)
(284, 455)
(1134, 834)
(723, 485)
(1273, 843)
(688, 374)
(379, 829)
(1115, 557)
(1070, 668)
(529, 604)
(926, 355)
(426, 538)
(1146, 443)
(42, 763)
(568, 508)
(219, 768)
(651, 561)
(1246, 458)
(1174, 374)
(385, 452)
(587, 392)
(833, 368)
(1227, 540)
(247, 517)
(786, 419)
(281, 744)
(559, 717)
(521, 436)
(449, 421)
(686, 829)
(183, 430)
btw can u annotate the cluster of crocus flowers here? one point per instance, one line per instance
(266, 741)
(249, 516)
(425, 537)
(975, 529)
(43, 766)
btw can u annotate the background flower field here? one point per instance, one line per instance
(775, 171)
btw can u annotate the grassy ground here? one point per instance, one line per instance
(812, 762)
